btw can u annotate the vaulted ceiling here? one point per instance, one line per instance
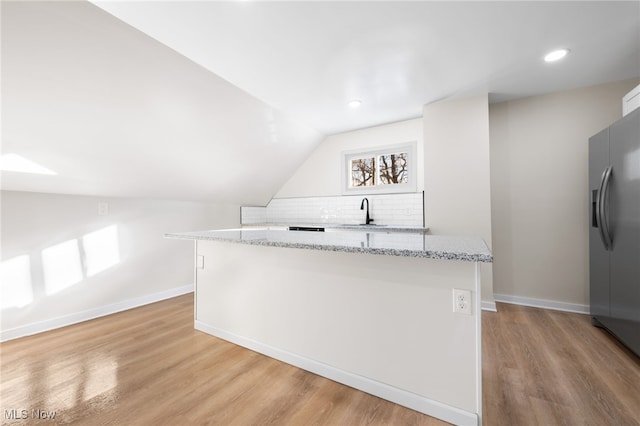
(221, 101)
(309, 58)
(114, 112)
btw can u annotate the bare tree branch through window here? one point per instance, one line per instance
(363, 172)
(393, 168)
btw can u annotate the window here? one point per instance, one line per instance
(385, 169)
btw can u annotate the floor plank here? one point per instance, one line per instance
(149, 366)
(543, 367)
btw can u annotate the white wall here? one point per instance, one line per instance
(320, 174)
(147, 266)
(539, 172)
(457, 173)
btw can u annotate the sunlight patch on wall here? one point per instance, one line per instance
(101, 249)
(16, 163)
(61, 266)
(15, 275)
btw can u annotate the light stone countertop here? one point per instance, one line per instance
(472, 249)
(347, 226)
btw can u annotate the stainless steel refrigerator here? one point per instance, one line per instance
(614, 235)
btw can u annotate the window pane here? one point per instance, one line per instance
(393, 168)
(363, 172)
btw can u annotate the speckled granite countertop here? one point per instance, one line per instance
(347, 227)
(405, 244)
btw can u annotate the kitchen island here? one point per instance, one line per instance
(368, 309)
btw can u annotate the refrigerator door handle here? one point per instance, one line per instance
(598, 223)
(595, 218)
(601, 210)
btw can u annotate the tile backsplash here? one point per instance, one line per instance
(385, 209)
(253, 215)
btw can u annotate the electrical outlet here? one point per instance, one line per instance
(103, 209)
(462, 301)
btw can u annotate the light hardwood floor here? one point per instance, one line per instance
(148, 366)
(543, 367)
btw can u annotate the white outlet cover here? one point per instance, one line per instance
(462, 301)
(103, 209)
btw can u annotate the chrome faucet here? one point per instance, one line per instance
(368, 219)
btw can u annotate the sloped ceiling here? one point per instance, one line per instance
(222, 100)
(115, 113)
(309, 58)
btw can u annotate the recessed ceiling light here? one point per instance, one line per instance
(354, 103)
(556, 55)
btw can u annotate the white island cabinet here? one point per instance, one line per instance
(374, 311)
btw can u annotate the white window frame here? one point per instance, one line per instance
(409, 147)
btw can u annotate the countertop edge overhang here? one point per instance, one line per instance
(344, 226)
(471, 249)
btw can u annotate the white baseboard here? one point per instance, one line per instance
(53, 323)
(408, 399)
(488, 305)
(542, 303)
